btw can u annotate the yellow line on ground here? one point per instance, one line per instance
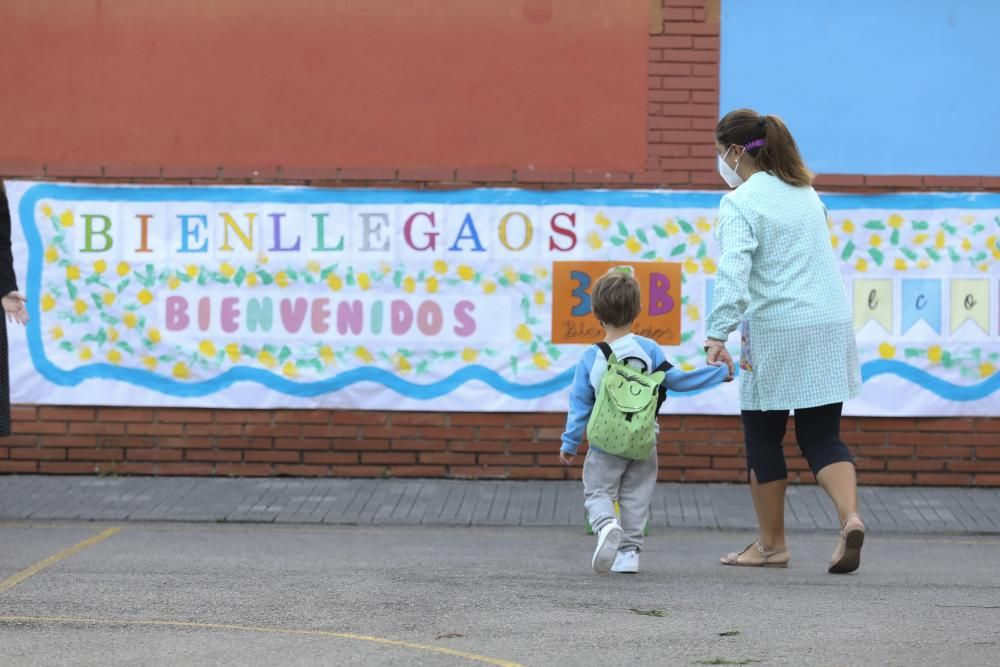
(14, 580)
(262, 629)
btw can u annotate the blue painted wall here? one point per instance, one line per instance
(871, 87)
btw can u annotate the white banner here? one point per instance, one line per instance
(265, 297)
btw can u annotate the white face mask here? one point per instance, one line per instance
(729, 174)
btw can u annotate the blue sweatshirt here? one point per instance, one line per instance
(630, 348)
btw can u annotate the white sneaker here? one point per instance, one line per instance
(626, 562)
(607, 546)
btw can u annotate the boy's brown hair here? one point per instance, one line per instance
(616, 298)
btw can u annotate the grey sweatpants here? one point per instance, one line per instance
(607, 477)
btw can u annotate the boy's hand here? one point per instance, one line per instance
(567, 459)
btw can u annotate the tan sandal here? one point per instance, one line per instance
(847, 556)
(761, 557)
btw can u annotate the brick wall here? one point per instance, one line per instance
(683, 106)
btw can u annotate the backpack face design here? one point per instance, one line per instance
(623, 421)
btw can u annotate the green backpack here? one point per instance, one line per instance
(623, 421)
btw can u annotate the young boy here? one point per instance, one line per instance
(607, 477)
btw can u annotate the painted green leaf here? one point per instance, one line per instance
(874, 224)
(980, 256)
(686, 336)
(702, 251)
(877, 255)
(909, 254)
(649, 255)
(622, 229)
(954, 255)
(894, 238)
(848, 251)
(71, 288)
(97, 301)
(679, 250)
(641, 235)
(66, 345)
(617, 241)
(265, 277)
(920, 225)
(686, 226)
(662, 233)
(285, 353)
(102, 336)
(951, 229)
(933, 254)
(978, 227)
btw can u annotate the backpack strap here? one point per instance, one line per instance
(661, 391)
(606, 350)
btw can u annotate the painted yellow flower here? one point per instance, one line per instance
(993, 246)
(364, 281)
(108, 298)
(923, 263)
(900, 264)
(57, 332)
(290, 370)
(703, 225)
(694, 239)
(523, 333)
(440, 266)
(834, 241)
(233, 352)
(267, 359)
(671, 228)
(887, 351)
(920, 239)
(692, 312)
(252, 280)
(114, 356)
(86, 354)
(192, 271)
(262, 258)
(181, 371)
(48, 302)
(541, 360)
(594, 241)
(282, 280)
(708, 266)
(47, 211)
(51, 254)
(966, 244)
(602, 220)
(130, 320)
(79, 306)
(409, 284)
(986, 369)
(934, 354)
(149, 362)
(123, 269)
(967, 219)
(145, 297)
(875, 241)
(690, 266)
(385, 267)
(112, 334)
(72, 272)
(489, 287)
(633, 245)
(173, 282)
(541, 273)
(312, 266)
(861, 265)
(466, 272)
(100, 266)
(939, 240)
(326, 355)
(469, 355)
(431, 285)
(154, 335)
(984, 267)
(227, 270)
(847, 226)
(540, 297)
(895, 221)
(66, 219)
(687, 366)
(207, 349)
(364, 355)
(510, 274)
(401, 363)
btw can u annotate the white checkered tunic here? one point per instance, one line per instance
(777, 271)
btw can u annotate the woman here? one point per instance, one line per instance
(778, 277)
(13, 306)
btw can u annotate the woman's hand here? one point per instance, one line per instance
(13, 306)
(567, 459)
(716, 354)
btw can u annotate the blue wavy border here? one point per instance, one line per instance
(146, 379)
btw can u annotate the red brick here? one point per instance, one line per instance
(427, 174)
(389, 457)
(712, 450)
(705, 69)
(449, 433)
(946, 425)
(894, 181)
(485, 175)
(910, 465)
(690, 56)
(890, 452)
(536, 473)
(125, 415)
(126, 171)
(476, 446)
(66, 414)
(505, 434)
(731, 463)
(226, 455)
(23, 412)
(715, 475)
(310, 431)
(537, 419)
(195, 469)
(153, 454)
(418, 445)
(478, 472)
(925, 452)
(241, 443)
(839, 180)
(38, 427)
(357, 445)
(389, 432)
(304, 444)
(243, 470)
(943, 479)
(878, 424)
(243, 416)
(214, 429)
(670, 69)
(532, 175)
(962, 182)
(688, 83)
(328, 458)
(711, 44)
(96, 428)
(596, 176)
(113, 454)
(685, 462)
(662, 96)
(192, 443)
(973, 466)
(515, 459)
(690, 28)
(269, 431)
(155, 429)
(987, 480)
(358, 418)
(64, 440)
(671, 41)
(914, 438)
(885, 478)
(416, 471)
(273, 456)
(532, 446)
(678, 14)
(301, 417)
(693, 422)
(869, 464)
(983, 452)
(65, 468)
(168, 415)
(358, 471)
(179, 172)
(854, 438)
(988, 424)
(132, 468)
(669, 475)
(366, 174)
(38, 454)
(302, 470)
(447, 458)
(668, 151)
(418, 419)
(975, 439)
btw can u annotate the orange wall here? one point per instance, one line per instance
(315, 84)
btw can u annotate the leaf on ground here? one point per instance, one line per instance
(449, 635)
(659, 613)
(729, 633)
(725, 661)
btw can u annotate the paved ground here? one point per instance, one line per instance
(480, 503)
(251, 594)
